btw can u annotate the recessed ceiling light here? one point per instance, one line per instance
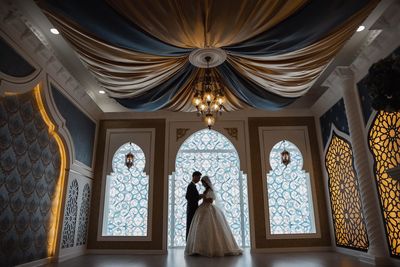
(102, 92)
(54, 31)
(361, 28)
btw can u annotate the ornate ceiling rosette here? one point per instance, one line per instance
(267, 53)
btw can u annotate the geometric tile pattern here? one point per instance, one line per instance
(30, 163)
(84, 216)
(349, 224)
(71, 211)
(384, 143)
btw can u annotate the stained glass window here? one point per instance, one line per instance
(127, 190)
(384, 143)
(214, 155)
(289, 193)
(350, 230)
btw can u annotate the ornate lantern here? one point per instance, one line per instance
(285, 156)
(129, 158)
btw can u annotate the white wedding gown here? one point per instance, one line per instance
(209, 233)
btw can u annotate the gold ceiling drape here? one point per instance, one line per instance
(292, 74)
(124, 73)
(194, 24)
(206, 23)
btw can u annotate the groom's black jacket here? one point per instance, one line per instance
(192, 197)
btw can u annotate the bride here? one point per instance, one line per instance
(209, 233)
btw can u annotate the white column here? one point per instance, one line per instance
(378, 249)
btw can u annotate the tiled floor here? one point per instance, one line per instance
(176, 258)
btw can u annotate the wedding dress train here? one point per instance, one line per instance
(209, 233)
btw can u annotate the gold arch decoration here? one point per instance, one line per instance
(350, 230)
(384, 143)
(59, 189)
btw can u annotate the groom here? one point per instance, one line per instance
(192, 197)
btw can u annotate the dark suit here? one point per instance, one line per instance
(192, 197)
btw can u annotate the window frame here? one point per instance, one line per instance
(265, 150)
(115, 138)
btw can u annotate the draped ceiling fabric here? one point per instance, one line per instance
(139, 50)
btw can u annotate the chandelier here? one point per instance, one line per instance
(208, 96)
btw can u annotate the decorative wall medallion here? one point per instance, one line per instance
(233, 132)
(181, 132)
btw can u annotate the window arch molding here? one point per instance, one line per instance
(298, 135)
(115, 138)
(179, 132)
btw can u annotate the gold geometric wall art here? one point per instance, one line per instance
(349, 225)
(384, 143)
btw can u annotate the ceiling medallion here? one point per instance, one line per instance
(198, 57)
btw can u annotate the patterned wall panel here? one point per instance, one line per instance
(12, 63)
(81, 128)
(70, 214)
(350, 230)
(29, 171)
(384, 143)
(83, 221)
(335, 115)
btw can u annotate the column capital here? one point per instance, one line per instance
(338, 76)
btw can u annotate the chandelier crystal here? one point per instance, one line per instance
(208, 96)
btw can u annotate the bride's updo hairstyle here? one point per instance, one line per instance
(207, 181)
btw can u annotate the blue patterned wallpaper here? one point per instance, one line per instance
(29, 170)
(81, 128)
(12, 63)
(365, 99)
(335, 115)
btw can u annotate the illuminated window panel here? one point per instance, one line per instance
(384, 143)
(350, 230)
(214, 155)
(289, 193)
(127, 191)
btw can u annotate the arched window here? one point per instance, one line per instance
(214, 155)
(126, 198)
(289, 193)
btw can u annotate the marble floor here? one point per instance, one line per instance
(176, 258)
